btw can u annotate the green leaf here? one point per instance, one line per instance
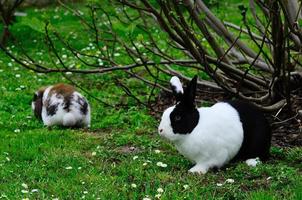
(202, 15)
(140, 37)
(299, 22)
(157, 59)
(127, 29)
(34, 23)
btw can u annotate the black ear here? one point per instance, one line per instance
(190, 92)
(38, 104)
(178, 96)
(35, 97)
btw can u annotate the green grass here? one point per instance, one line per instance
(41, 163)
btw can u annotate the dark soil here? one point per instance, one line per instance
(286, 125)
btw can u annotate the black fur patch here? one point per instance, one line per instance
(184, 119)
(52, 109)
(84, 105)
(257, 132)
(67, 103)
(178, 96)
(84, 108)
(37, 99)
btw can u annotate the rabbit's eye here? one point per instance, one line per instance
(177, 118)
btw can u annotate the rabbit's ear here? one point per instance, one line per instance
(176, 87)
(190, 93)
(37, 100)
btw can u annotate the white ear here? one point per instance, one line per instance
(176, 85)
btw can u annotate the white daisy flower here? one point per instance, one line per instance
(253, 162)
(69, 167)
(34, 190)
(185, 186)
(24, 185)
(161, 164)
(230, 180)
(160, 190)
(17, 130)
(157, 151)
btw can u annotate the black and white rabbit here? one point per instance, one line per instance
(61, 105)
(213, 136)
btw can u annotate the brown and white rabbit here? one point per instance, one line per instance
(61, 104)
(213, 136)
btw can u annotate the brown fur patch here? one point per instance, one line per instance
(42, 89)
(62, 90)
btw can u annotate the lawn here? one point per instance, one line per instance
(121, 156)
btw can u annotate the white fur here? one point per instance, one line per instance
(69, 119)
(177, 84)
(62, 117)
(215, 140)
